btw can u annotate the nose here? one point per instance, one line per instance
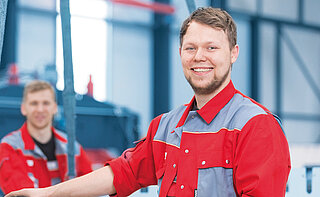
(200, 55)
(40, 107)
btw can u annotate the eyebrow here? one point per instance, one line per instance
(206, 43)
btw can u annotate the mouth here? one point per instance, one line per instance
(40, 118)
(202, 69)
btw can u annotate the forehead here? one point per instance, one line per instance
(40, 95)
(198, 32)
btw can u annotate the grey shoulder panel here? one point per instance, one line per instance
(239, 111)
(14, 139)
(169, 122)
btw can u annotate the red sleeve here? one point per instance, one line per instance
(262, 159)
(13, 170)
(135, 168)
(84, 165)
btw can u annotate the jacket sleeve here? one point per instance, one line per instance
(261, 159)
(13, 170)
(135, 168)
(84, 165)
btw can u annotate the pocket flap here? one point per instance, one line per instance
(214, 159)
(160, 172)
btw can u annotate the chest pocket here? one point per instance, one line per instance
(214, 159)
(213, 149)
(214, 162)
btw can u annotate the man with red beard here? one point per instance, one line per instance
(221, 144)
(36, 154)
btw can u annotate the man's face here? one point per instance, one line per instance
(206, 58)
(39, 109)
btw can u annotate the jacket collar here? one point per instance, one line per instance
(28, 141)
(212, 107)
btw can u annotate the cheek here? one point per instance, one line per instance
(186, 57)
(222, 67)
(185, 64)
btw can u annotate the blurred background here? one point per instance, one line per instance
(127, 67)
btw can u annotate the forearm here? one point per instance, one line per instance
(96, 183)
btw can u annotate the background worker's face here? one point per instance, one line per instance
(206, 58)
(39, 108)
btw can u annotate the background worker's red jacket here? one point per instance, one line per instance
(23, 164)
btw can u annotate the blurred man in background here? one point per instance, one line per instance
(36, 154)
(222, 143)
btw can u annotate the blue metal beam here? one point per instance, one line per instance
(8, 37)
(219, 4)
(301, 11)
(255, 51)
(161, 79)
(3, 14)
(191, 5)
(301, 116)
(278, 84)
(69, 102)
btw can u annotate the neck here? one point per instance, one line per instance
(42, 135)
(202, 99)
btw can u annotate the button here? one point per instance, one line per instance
(186, 151)
(203, 162)
(227, 161)
(192, 117)
(30, 163)
(174, 165)
(182, 186)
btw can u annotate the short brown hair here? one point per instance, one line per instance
(35, 86)
(215, 18)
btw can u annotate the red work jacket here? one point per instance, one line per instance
(23, 164)
(232, 146)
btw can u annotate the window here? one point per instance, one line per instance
(89, 46)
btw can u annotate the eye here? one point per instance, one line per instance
(212, 48)
(34, 103)
(189, 48)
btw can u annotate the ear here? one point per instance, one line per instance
(180, 51)
(23, 109)
(234, 53)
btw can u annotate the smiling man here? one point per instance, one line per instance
(221, 144)
(36, 154)
(207, 57)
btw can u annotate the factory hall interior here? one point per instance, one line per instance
(207, 98)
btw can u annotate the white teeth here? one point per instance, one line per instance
(202, 69)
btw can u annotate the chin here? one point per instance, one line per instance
(205, 90)
(41, 126)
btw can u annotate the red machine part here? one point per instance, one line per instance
(13, 74)
(90, 87)
(155, 6)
